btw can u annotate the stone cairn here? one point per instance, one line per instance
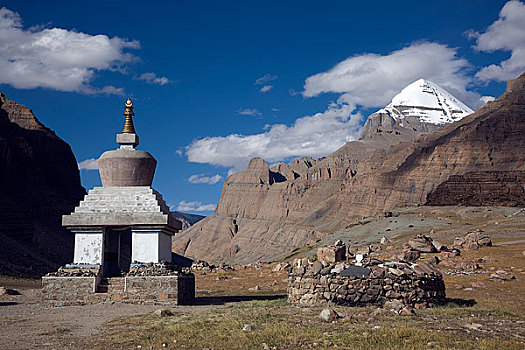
(372, 283)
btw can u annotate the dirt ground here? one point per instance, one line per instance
(500, 309)
(26, 324)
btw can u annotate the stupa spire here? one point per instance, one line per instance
(128, 127)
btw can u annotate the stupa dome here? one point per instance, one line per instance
(127, 166)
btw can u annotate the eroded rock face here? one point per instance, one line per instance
(39, 181)
(260, 219)
(480, 188)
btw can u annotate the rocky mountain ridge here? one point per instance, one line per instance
(39, 181)
(264, 213)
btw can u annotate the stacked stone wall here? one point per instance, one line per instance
(416, 285)
(161, 288)
(62, 291)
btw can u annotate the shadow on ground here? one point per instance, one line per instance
(460, 302)
(6, 303)
(221, 300)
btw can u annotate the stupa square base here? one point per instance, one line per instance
(64, 291)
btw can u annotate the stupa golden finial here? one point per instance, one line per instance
(128, 122)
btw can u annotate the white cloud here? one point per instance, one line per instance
(315, 136)
(202, 179)
(195, 206)
(88, 164)
(276, 110)
(486, 99)
(507, 34)
(371, 80)
(266, 88)
(265, 79)
(249, 111)
(56, 58)
(152, 78)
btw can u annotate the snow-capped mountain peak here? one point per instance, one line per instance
(427, 101)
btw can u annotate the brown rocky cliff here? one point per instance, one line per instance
(491, 139)
(258, 219)
(39, 181)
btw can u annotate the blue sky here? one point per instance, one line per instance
(217, 82)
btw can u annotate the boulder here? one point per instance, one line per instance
(328, 315)
(501, 275)
(409, 255)
(473, 240)
(385, 240)
(423, 244)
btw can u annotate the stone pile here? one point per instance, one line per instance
(75, 271)
(318, 282)
(154, 269)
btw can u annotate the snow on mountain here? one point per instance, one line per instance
(428, 101)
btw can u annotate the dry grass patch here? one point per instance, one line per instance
(279, 325)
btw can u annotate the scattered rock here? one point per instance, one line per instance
(380, 312)
(408, 254)
(422, 243)
(460, 265)
(328, 315)
(472, 241)
(449, 254)
(434, 260)
(280, 267)
(385, 240)
(439, 246)
(407, 311)
(478, 285)
(8, 291)
(393, 305)
(205, 266)
(473, 326)
(501, 275)
(163, 313)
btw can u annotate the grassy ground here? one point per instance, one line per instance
(490, 315)
(277, 324)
